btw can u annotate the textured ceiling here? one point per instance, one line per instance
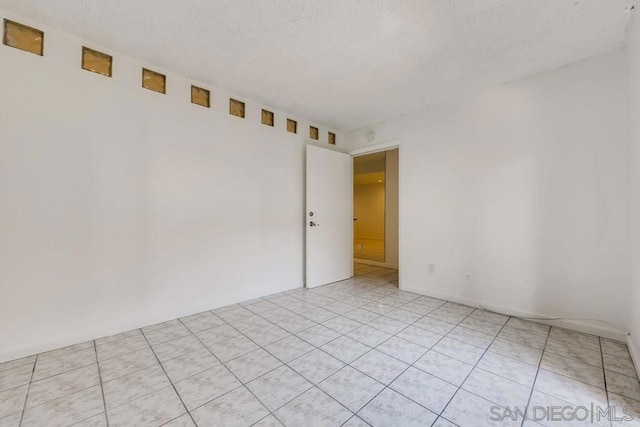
(344, 63)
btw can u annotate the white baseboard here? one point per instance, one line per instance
(374, 263)
(634, 349)
(576, 325)
(111, 327)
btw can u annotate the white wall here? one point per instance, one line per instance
(633, 52)
(121, 207)
(391, 208)
(523, 188)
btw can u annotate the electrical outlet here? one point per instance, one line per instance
(432, 268)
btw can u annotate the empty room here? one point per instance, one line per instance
(320, 213)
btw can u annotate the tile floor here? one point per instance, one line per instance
(354, 353)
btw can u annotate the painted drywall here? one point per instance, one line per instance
(121, 207)
(524, 189)
(633, 55)
(368, 207)
(391, 208)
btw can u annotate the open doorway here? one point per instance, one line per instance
(375, 219)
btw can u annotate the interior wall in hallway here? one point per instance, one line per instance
(121, 207)
(369, 207)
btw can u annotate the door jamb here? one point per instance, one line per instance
(384, 146)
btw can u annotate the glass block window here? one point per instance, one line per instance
(154, 81)
(292, 126)
(267, 118)
(200, 96)
(23, 37)
(96, 62)
(236, 108)
(313, 132)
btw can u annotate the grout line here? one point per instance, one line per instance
(473, 366)
(533, 384)
(407, 368)
(282, 364)
(65, 372)
(168, 378)
(26, 396)
(604, 375)
(176, 418)
(63, 396)
(104, 401)
(242, 383)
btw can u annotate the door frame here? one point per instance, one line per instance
(376, 148)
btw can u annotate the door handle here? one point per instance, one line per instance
(313, 224)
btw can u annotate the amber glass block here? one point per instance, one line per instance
(154, 81)
(332, 138)
(267, 118)
(313, 132)
(200, 96)
(292, 126)
(23, 37)
(96, 62)
(236, 108)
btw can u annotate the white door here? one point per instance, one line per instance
(329, 216)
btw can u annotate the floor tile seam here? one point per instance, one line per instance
(575, 345)
(536, 390)
(437, 414)
(175, 390)
(618, 373)
(18, 366)
(104, 401)
(473, 330)
(283, 423)
(172, 339)
(624, 397)
(176, 418)
(504, 378)
(67, 371)
(58, 397)
(242, 383)
(469, 343)
(574, 359)
(519, 343)
(535, 380)
(69, 352)
(403, 371)
(123, 354)
(26, 396)
(91, 416)
(474, 366)
(137, 370)
(564, 375)
(15, 387)
(311, 385)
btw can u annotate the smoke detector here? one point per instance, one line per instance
(371, 135)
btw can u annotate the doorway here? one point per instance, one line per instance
(375, 208)
(330, 244)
